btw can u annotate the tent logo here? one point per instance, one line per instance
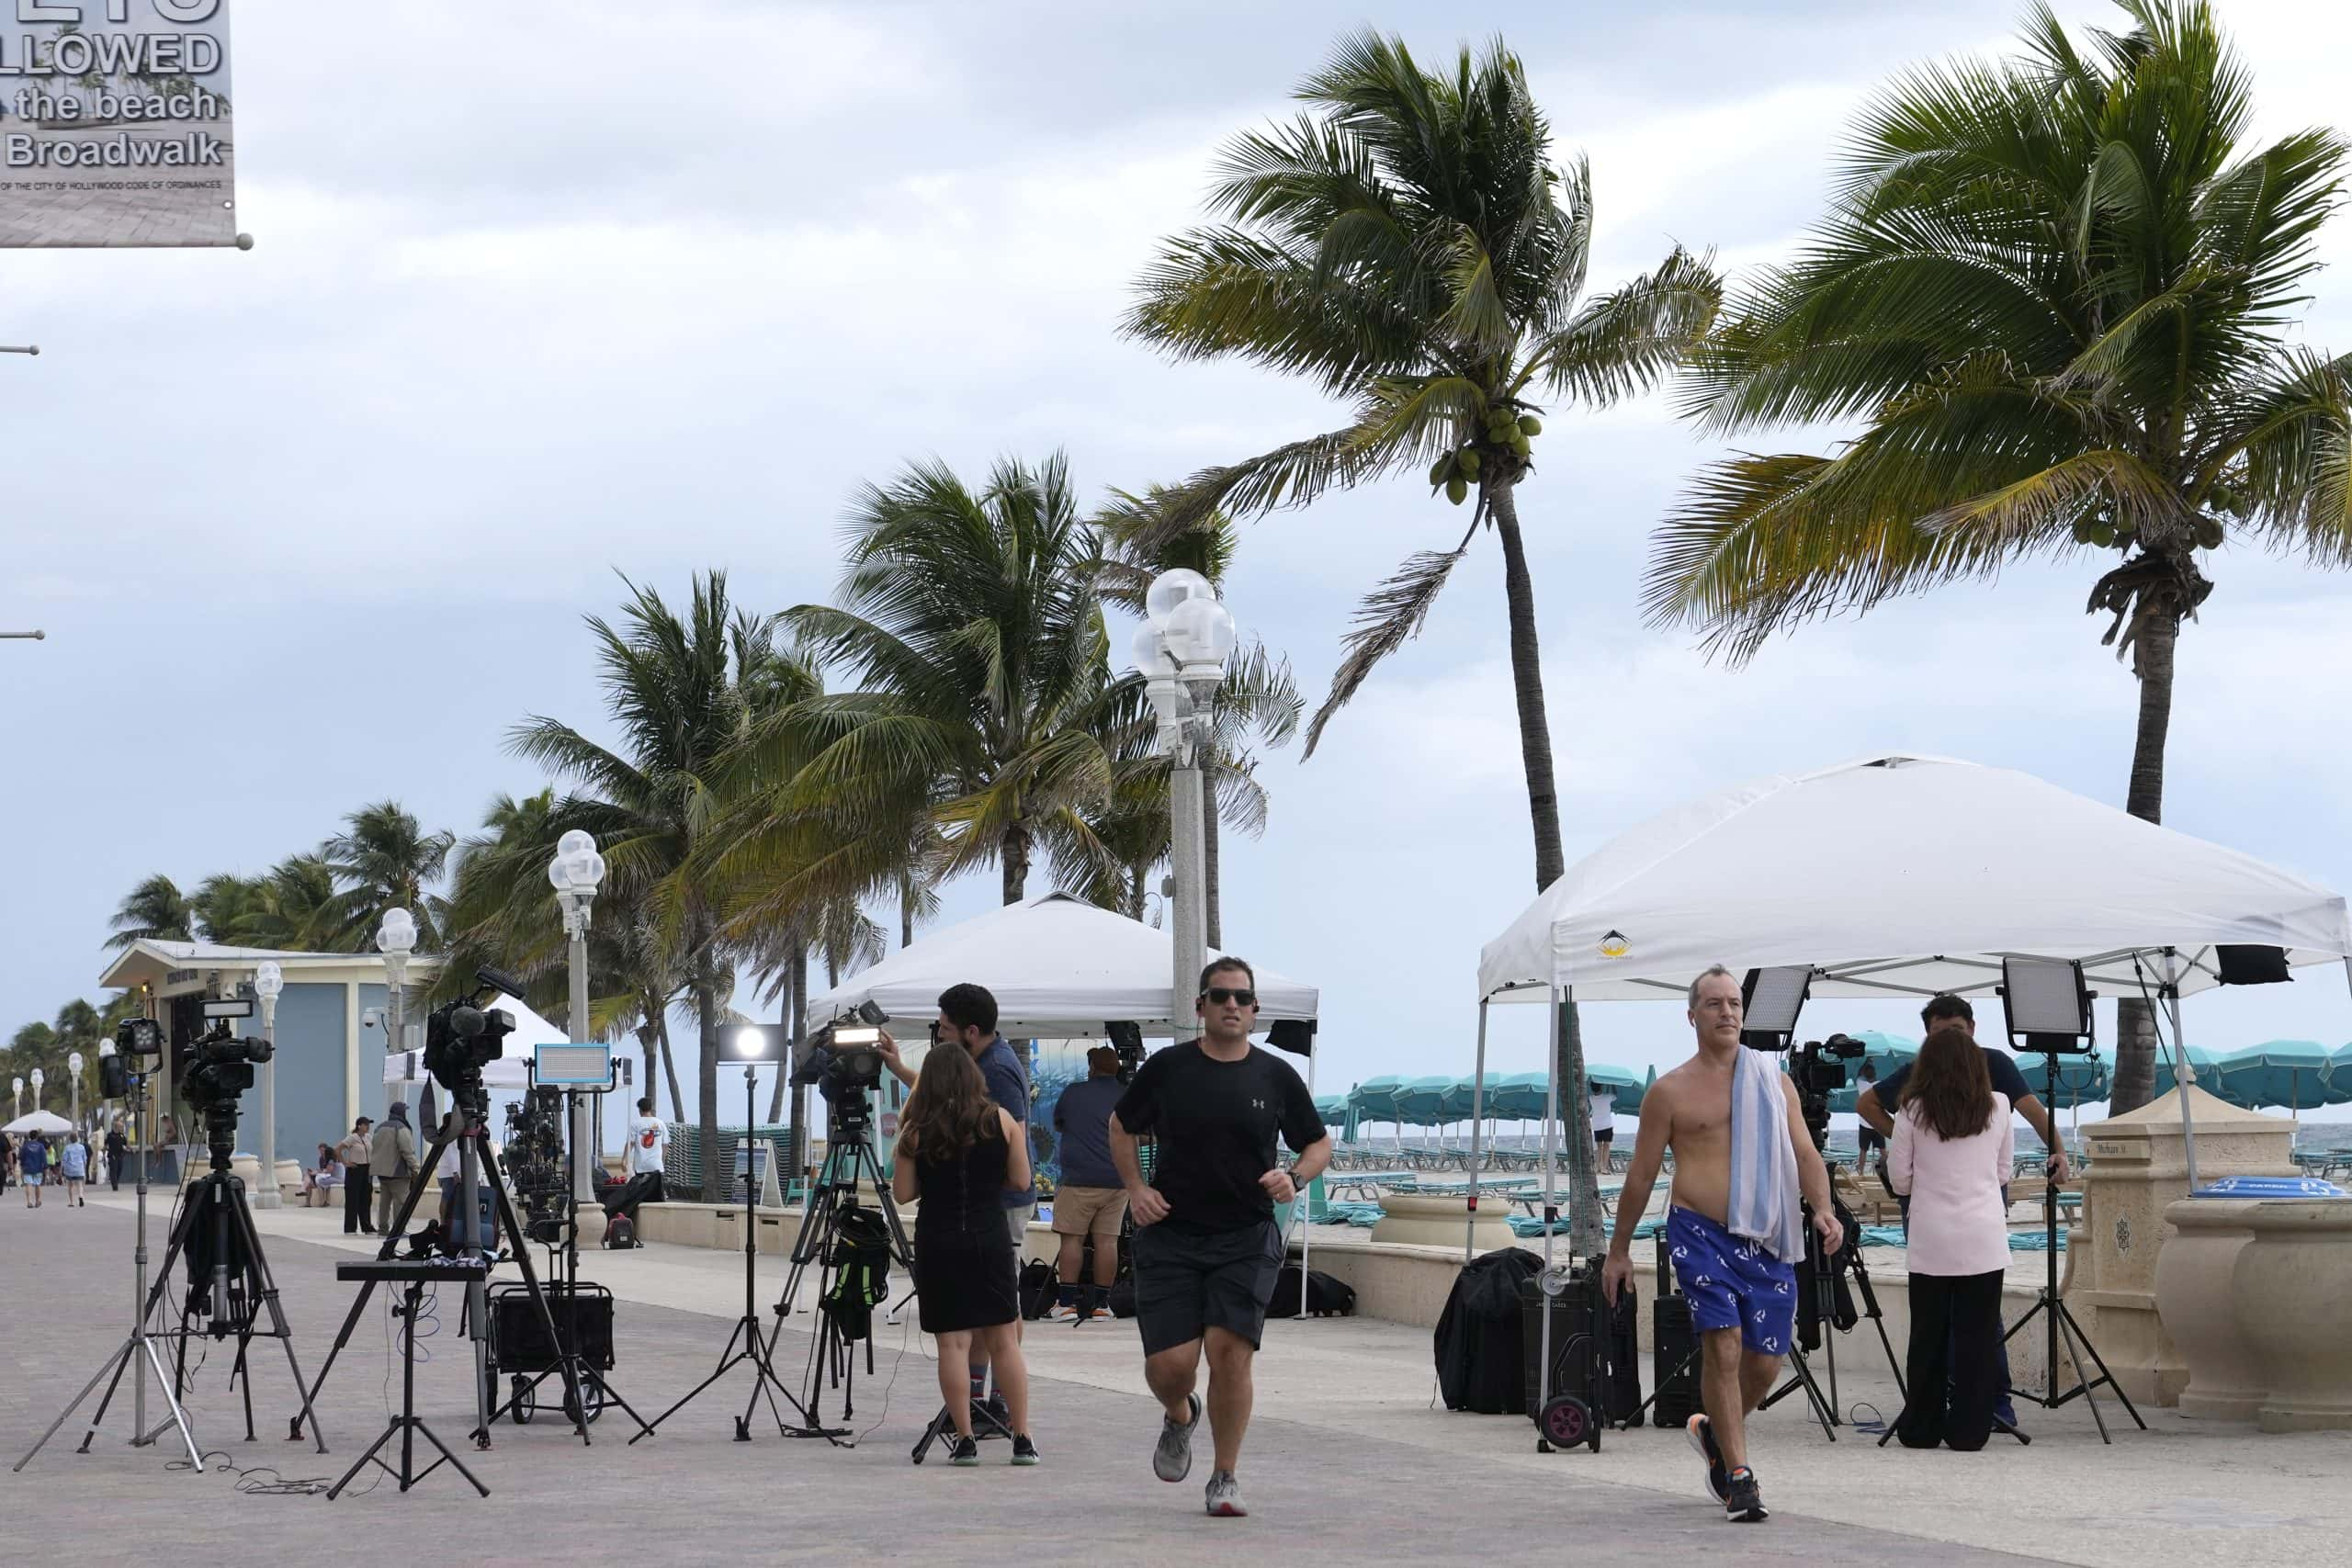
(1613, 944)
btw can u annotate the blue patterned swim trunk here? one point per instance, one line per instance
(1731, 1282)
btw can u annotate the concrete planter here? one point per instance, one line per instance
(2197, 1297)
(1444, 1221)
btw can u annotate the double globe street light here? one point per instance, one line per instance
(1181, 649)
(269, 981)
(576, 872)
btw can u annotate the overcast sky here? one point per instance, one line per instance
(544, 291)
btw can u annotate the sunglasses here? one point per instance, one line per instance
(1220, 995)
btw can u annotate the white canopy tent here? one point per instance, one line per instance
(1059, 968)
(1902, 876)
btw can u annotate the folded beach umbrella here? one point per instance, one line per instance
(1421, 1102)
(1375, 1098)
(2291, 1073)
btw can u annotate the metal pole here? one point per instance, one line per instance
(269, 1197)
(1477, 1105)
(1551, 1207)
(1188, 864)
(575, 920)
(2184, 1075)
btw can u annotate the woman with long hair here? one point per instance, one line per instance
(1951, 1151)
(959, 1154)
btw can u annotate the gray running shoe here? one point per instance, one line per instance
(1225, 1496)
(1172, 1459)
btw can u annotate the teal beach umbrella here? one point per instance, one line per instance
(2205, 1065)
(2290, 1073)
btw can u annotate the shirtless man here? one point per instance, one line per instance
(1742, 1300)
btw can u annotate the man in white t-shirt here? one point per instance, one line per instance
(1604, 1122)
(648, 1139)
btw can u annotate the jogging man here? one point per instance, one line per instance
(1742, 1293)
(1207, 1248)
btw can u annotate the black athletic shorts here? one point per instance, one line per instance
(1188, 1281)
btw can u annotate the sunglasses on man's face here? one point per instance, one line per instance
(1220, 995)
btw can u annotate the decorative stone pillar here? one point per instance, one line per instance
(2295, 1308)
(2197, 1292)
(2137, 1169)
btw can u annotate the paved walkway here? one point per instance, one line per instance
(1346, 1459)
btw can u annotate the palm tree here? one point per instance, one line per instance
(2057, 289)
(1257, 698)
(989, 711)
(153, 912)
(1416, 251)
(673, 689)
(384, 860)
(223, 904)
(292, 902)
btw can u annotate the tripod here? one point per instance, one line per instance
(2060, 1322)
(413, 1276)
(758, 1343)
(466, 1126)
(849, 1156)
(139, 1350)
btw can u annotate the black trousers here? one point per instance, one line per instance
(1953, 1369)
(358, 1189)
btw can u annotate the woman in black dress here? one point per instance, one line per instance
(959, 1154)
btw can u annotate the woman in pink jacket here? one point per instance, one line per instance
(1951, 1151)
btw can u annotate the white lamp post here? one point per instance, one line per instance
(40, 1079)
(73, 1065)
(576, 871)
(1182, 648)
(396, 939)
(269, 980)
(17, 1088)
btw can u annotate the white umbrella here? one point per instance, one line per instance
(39, 1121)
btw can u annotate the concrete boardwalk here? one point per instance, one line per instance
(1346, 1459)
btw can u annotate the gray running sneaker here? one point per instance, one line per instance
(1172, 1459)
(1225, 1496)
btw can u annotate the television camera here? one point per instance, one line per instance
(461, 1037)
(219, 1069)
(843, 1062)
(1820, 1070)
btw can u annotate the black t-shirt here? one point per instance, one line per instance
(1216, 1123)
(2007, 1080)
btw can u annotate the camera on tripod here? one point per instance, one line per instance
(1819, 1070)
(221, 1068)
(844, 1060)
(534, 1165)
(1126, 1039)
(461, 1037)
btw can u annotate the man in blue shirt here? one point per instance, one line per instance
(967, 1019)
(1091, 1198)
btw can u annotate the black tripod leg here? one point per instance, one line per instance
(540, 1300)
(2075, 1332)
(727, 1359)
(393, 1234)
(266, 1297)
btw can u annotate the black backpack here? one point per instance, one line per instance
(1326, 1297)
(1040, 1287)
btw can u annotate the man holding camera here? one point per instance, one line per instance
(1876, 1106)
(1206, 1249)
(968, 1015)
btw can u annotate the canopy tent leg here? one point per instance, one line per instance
(1551, 1203)
(1307, 1205)
(1477, 1110)
(2184, 1075)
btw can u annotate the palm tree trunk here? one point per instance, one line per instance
(648, 1047)
(1544, 811)
(791, 999)
(1214, 932)
(2135, 1021)
(669, 1065)
(706, 989)
(1013, 852)
(905, 912)
(797, 956)
(1136, 876)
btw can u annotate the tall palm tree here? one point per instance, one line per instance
(383, 860)
(1257, 699)
(1415, 250)
(674, 693)
(988, 709)
(2056, 291)
(156, 910)
(291, 904)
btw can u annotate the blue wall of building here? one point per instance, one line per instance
(310, 1063)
